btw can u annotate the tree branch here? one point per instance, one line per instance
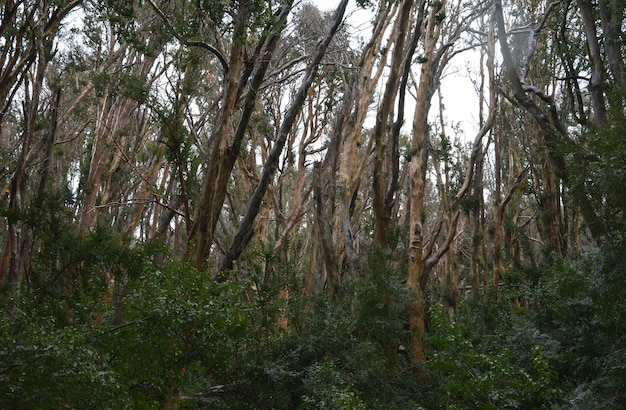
(188, 43)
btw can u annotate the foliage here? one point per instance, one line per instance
(330, 389)
(465, 377)
(112, 117)
(167, 326)
(46, 366)
(172, 335)
(602, 173)
(582, 306)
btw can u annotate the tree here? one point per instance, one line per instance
(553, 132)
(219, 204)
(29, 33)
(245, 230)
(424, 252)
(384, 188)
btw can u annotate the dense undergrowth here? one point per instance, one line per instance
(164, 335)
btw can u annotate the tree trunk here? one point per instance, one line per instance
(425, 253)
(418, 271)
(612, 20)
(12, 260)
(324, 236)
(553, 132)
(349, 132)
(382, 164)
(246, 228)
(596, 85)
(208, 212)
(224, 158)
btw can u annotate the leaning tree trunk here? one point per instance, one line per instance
(246, 228)
(224, 156)
(553, 132)
(207, 214)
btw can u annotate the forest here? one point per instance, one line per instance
(268, 204)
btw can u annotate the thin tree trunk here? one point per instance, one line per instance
(12, 260)
(246, 228)
(323, 233)
(553, 132)
(498, 267)
(477, 210)
(418, 270)
(50, 137)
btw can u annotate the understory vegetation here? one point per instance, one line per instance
(167, 334)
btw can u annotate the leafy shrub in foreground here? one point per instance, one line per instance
(169, 328)
(465, 377)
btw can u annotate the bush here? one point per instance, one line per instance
(170, 328)
(463, 376)
(583, 308)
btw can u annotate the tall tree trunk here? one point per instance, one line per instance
(207, 214)
(478, 231)
(49, 145)
(551, 210)
(477, 200)
(324, 236)
(382, 128)
(349, 133)
(418, 270)
(224, 158)
(14, 253)
(246, 228)
(425, 253)
(498, 267)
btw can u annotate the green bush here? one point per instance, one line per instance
(167, 328)
(463, 376)
(582, 307)
(43, 366)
